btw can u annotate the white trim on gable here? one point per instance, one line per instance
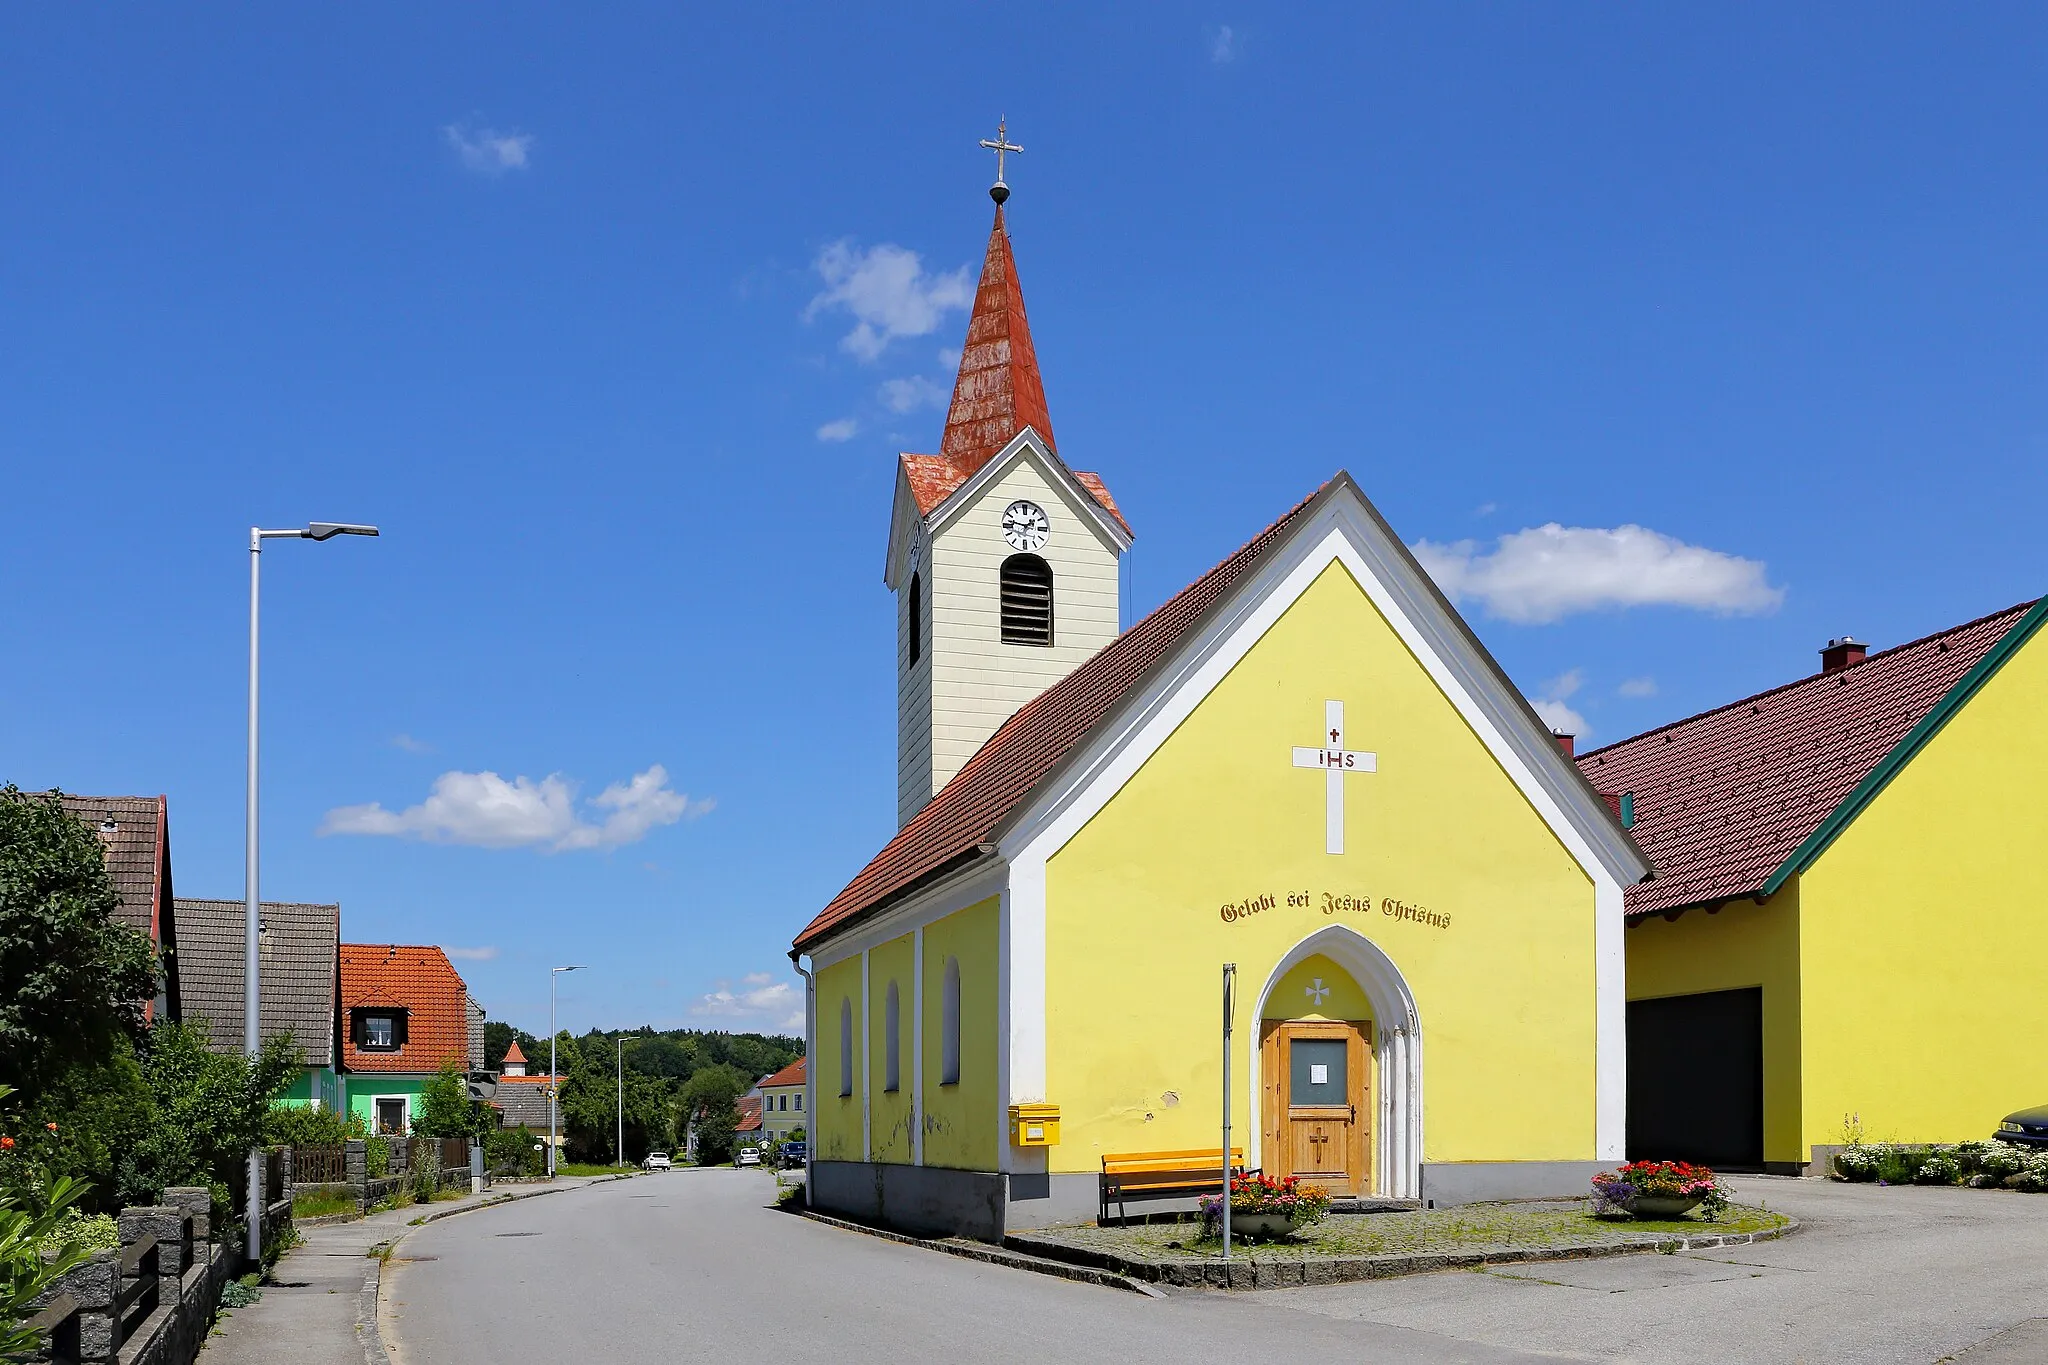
(1028, 443)
(949, 895)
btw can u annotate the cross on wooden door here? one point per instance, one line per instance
(1335, 760)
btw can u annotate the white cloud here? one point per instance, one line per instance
(758, 1001)
(1545, 573)
(888, 293)
(484, 810)
(1638, 687)
(845, 429)
(1561, 718)
(908, 395)
(1223, 45)
(1551, 704)
(949, 358)
(484, 954)
(488, 151)
(1486, 509)
(411, 745)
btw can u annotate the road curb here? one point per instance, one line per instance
(994, 1255)
(370, 1304)
(1253, 1273)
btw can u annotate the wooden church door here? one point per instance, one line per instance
(1318, 1104)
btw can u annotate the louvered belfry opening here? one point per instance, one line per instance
(1027, 600)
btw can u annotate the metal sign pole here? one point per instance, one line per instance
(1229, 1009)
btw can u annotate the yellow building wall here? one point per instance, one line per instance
(1742, 945)
(835, 1127)
(1136, 932)
(1295, 996)
(891, 1134)
(962, 1125)
(1926, 930)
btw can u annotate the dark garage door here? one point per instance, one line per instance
(1696, 1078)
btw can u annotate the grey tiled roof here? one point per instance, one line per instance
(299, 947)
(476, 1033)
(522, 1102)
(129, 827)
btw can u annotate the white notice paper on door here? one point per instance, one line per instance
(1318, 1075)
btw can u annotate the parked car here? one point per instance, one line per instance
(795, 1154)
(747, 1156)
(2026, 1127)
(658, 1161)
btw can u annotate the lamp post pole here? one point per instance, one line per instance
(619, 1060)
(554, 1075)
(252, 957)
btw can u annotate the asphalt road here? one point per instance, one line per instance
(692, 1266)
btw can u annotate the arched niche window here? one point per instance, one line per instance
(845, 1046)
(1026, 585)
(949, 1025)
(914, 602)
(892, 1040)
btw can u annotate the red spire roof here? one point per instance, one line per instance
(999, 391)
(513, 1054)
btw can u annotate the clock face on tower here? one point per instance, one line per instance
(1025, 525)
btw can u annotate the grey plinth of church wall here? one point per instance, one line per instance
(926, 1201)
(1476, 1182)
(1039, 1200)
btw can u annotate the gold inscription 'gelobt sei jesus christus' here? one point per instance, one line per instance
(1335, 760)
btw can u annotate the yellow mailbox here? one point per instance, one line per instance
(1035, 1125)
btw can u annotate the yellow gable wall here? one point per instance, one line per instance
(1743, 945)
(961, 1125)
(890, 1135)
(1135, 935)
(1925, 927)
(1294, 995)
(836, 1134)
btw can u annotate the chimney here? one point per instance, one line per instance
(1564, 741)
(1841, 653)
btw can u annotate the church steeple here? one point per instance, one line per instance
(999, 391)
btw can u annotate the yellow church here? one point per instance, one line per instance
(1304, 764)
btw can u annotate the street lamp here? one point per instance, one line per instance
(554, 1076)
(252, 959)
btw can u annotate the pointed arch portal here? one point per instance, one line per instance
(1397, 1047)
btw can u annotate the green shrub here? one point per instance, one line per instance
(377, 1153)
(1939, 1168)
(424, 1184)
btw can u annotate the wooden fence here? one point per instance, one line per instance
(319, 1166)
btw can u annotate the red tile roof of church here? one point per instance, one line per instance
(998, 392)
(1031, 744)
(1723, 799)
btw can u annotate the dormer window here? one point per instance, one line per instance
(379, 1029)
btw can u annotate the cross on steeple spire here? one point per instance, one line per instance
(1000, 191)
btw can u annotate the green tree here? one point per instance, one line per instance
(498, 1039)
(208, 1109)
(710, 1104)
(446, 1110)
(73, 979)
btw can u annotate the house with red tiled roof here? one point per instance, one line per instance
(1299, 799)
(1846, 921)
(135, 832)
(782, 1101)
(404, 1012)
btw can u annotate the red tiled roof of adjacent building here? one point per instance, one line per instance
(1030, 744)
(513, 1054)
(793, 1074)
(750, 1115)
(1724, 798)
(418, 979)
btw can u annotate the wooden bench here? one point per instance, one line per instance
(1128, 1177)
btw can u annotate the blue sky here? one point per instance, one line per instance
(574, 307)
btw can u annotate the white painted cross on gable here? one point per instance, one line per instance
(1335, 760)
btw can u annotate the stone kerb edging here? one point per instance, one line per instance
(1252, 1272)
(994, 1255)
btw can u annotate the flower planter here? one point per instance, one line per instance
(1663, 1205)
(1264, 1227)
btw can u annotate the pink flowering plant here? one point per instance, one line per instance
(1615, 1192)
(1256, 1193)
